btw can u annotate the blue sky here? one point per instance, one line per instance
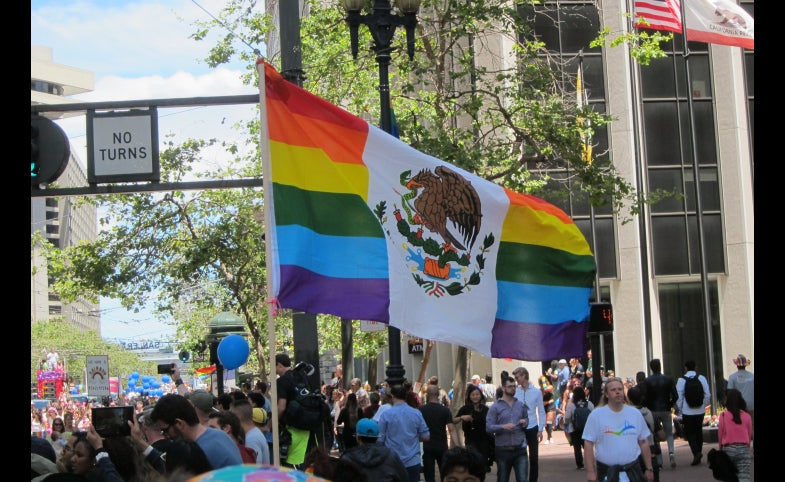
(141, 50)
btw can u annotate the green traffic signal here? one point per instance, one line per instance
(34, 151)
(49, 151)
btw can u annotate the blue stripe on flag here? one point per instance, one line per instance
(368, 255)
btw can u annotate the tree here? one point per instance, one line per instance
(504, 117)
(493, 115)
(73, 345)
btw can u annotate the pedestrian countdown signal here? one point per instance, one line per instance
(601, 318)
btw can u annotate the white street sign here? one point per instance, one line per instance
(98, 375)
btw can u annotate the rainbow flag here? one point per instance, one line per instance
(205, 370)
(362, 226)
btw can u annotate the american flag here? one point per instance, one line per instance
(659, 14)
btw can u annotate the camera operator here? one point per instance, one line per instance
(180, 386)
(301, 440)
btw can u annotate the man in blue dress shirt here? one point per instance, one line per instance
(401, 429)
(507, 419)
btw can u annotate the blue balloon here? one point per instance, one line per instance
(165, 379)
(131, 382)
(135, 375)
(233, 352)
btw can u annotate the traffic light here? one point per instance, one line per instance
(49, 150)
(184, 355)
(35, 151)
(600, 318)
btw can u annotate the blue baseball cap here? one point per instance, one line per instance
(367, 427)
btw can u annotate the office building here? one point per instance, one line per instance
(60, 219)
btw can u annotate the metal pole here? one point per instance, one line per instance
(382, 24)
(395, 371)
(699, 217)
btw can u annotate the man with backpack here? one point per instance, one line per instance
(694, 395)
(288, 386)
(577, 413)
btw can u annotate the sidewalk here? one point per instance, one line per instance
(557, 464)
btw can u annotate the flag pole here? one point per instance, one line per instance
(699, 215)
(264, 148)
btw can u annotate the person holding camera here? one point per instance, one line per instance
(301, 440)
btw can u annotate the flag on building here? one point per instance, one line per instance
(584, 123)
(721, 22)
(362, 226)
(658, 14)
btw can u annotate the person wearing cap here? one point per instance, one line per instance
(204, 403)
(743, 381)
(176, 419)
(563, 377)
(251, 418)
(381, 463)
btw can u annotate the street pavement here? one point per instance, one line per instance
(557, 464)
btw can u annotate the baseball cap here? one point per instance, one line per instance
(202, 400)
(475, 377)
(367, 427)
(562, 361)
(259, 415)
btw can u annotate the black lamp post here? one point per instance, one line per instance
(222, 325)
(382, 24)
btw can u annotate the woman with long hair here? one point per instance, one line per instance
(734, 433)
(348, 417)
(550, 407)
(472, 419)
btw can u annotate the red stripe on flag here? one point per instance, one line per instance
(659, 14)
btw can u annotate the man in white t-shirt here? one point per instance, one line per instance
(614, 437)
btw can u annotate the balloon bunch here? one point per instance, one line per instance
(149, 385)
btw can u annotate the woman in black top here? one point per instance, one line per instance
(472, 418)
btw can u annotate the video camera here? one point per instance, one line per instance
(306, 367)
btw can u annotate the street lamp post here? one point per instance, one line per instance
(382, 24)
(222, 325)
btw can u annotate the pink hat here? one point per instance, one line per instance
(741, 361)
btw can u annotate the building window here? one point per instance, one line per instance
(749, 72)
(668, 141)
(567, 30)
(46, 87)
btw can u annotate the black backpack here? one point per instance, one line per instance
(308, 409)
(579, 417)
(722, 467)
(693, 391)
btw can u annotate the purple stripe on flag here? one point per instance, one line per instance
(537, 341)
(356, 299)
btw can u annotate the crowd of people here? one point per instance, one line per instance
(400, 433)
